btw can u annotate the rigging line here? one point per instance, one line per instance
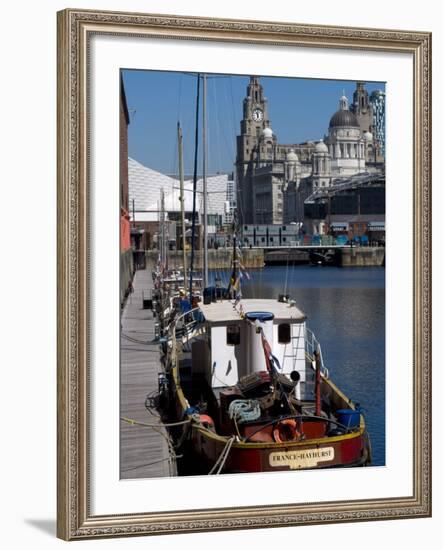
(218, 127)
(160, 425)
(230, 118)
(155, 428)
(233, 110)
(223, 457)
(286, 274)
(187, 137)
(179, 98)
(222, 128)
(194, 195)
(168, 458)
(143, 342)
(190, 191)
(208, 138)
(292, 277)
(209, 76)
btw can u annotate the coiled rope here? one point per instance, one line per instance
(244, 410)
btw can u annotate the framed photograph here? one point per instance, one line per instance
(243, 274)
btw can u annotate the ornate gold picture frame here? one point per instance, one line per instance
(76, 28)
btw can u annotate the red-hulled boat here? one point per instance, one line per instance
(247, 379)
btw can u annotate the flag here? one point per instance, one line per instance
(271, 360)
(267, 350)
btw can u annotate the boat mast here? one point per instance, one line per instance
(194, 188)
(205, 193)
(234, 261)
(233, 278)
(182, 198)
(317, 383)
(163, 229)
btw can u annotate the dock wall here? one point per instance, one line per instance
(362, 256)
(217, 259)
(359, 256)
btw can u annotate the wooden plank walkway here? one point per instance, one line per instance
(143, 451)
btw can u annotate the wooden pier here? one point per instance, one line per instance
(144, 451)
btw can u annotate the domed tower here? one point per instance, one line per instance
(292, 168)
(368, 139)
(266, 144)
(345, 142)
(321, 166)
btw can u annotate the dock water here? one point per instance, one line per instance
(143, 451)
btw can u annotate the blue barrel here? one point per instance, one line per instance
(261, 316)
(348, 417)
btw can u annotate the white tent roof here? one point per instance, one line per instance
(145, 185)
(217, 191)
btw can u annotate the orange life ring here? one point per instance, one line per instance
(207, 422)
(286, 430)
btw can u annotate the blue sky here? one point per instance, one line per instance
(299, 110)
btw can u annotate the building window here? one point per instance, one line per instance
(284, 333)
(262, 239)
(233, 335)
(284, 239)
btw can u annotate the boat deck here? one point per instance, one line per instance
(307, 388)
(143, 451)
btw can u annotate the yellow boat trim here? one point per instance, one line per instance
(256, 445)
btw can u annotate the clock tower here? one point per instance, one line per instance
(255, 120)
(255, 109)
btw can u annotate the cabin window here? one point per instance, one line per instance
(284, 333)
(233, 335)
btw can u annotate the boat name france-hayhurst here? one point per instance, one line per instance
(301, 459)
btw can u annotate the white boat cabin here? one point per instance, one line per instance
(234, 346)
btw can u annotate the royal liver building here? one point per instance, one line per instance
(273, 179)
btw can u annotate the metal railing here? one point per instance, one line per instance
(311, 346)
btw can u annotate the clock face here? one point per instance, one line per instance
(257, 115)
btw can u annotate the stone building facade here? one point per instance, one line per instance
(274, 180)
